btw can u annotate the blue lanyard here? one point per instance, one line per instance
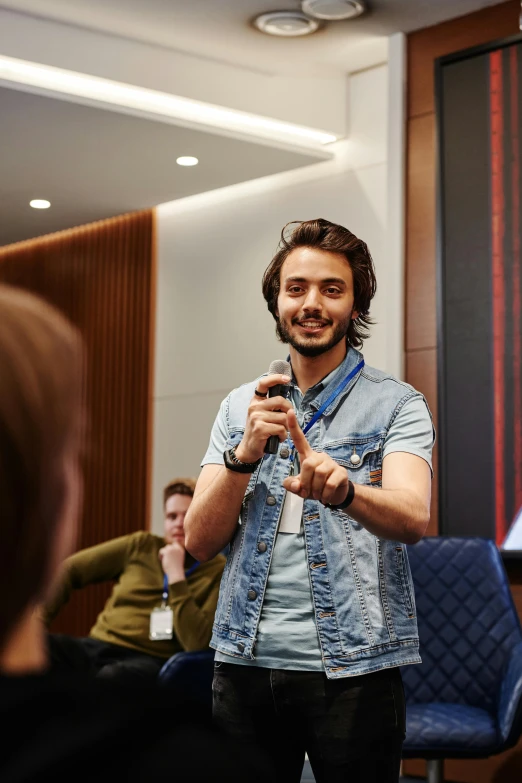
(329, 401)
(188, 572)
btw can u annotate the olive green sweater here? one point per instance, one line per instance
(133, 562)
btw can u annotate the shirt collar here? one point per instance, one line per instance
(319, 391)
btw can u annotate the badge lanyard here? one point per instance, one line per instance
(165, 593)
(328, 402)
(162, 617)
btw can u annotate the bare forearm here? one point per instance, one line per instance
(394, 514)
(214, 513)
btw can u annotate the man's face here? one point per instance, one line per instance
(175, 509)
(315, 302)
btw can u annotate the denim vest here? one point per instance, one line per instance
(361, 585)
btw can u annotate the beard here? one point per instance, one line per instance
(311, 345)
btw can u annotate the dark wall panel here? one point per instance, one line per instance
(466, 431)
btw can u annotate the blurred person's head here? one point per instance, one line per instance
(177, 497)
(319, 286)
(41, 429)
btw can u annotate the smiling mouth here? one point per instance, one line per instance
(311, 326)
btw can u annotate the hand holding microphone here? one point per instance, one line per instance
(266, 424)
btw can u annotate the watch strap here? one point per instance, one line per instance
(348, 499)
(235, 464)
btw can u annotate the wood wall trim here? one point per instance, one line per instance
(420, 316)
(424, 46)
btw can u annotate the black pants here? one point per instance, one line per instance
(352, 728)
(90, 656)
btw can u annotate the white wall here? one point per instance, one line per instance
(213, 330)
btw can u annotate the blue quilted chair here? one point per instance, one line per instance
(465, 699)
(189, 675)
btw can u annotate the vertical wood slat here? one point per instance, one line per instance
(101, 276)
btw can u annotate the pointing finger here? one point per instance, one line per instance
(297, 435)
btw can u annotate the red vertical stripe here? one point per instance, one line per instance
(515, 202)
(497, 236)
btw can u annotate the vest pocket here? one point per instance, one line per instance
(404, 581)
(362, 458)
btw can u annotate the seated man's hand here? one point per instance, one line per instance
(172, 558)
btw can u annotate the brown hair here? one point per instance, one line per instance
(179, 486)
(40, 416)
(323, 235)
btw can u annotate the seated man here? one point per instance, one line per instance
(151, 573)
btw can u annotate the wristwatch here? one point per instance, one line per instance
(348, 499)
(233, 463)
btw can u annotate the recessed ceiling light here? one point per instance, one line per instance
(39, 203)
(152, 103)
(287, 24)
(333, 10)
(187, 160)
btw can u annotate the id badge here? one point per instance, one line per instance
(292, 513)
(160, 624)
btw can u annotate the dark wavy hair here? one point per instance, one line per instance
(323, 235)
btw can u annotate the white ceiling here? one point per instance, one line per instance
(221, 30)
(91, 163)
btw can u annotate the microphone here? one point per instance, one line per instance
(278, 367)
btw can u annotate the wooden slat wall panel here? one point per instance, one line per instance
(424, 47)
(421, 322)
(101, 276)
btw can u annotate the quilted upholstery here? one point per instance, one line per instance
(463, 728)
(465, 698)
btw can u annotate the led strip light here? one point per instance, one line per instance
(152, 102)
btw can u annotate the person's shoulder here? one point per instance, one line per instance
(238, 400)
(246, 389)
(144, 540)
(375, 376)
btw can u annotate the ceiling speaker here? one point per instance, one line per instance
(333, 10)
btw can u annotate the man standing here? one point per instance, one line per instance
(163, 600)
(316, 609)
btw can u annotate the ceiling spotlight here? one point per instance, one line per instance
(187, 160)
(286, 24)
(333, 10)
(39, 203)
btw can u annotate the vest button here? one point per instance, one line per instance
(241, 647)
(261, 547)
(251, 595)
(285, 452)
(355, 459)
(270, 501)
